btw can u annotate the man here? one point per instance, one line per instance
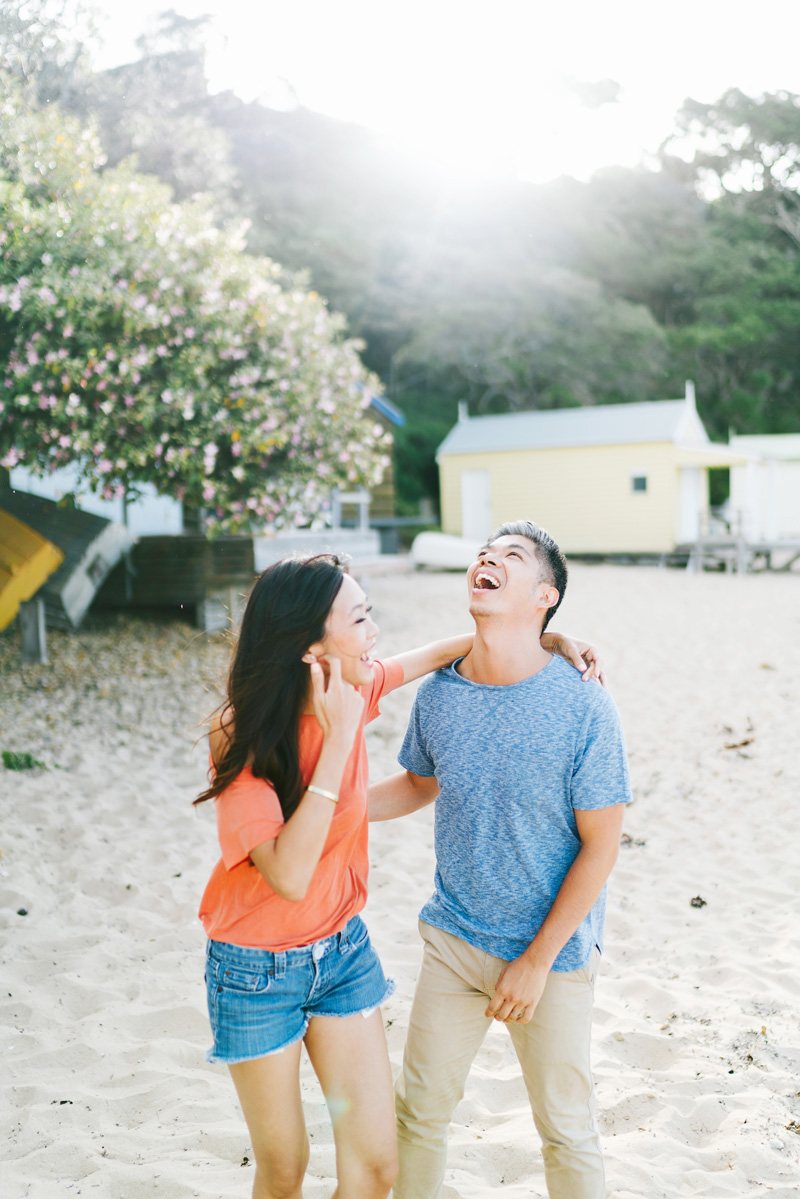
(529, 768)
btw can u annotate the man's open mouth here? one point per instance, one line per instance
(483, 581)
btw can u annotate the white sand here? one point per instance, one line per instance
(105, 1088)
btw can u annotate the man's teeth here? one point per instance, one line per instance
(486, 581)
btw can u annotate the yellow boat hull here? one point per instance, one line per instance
(26, 562)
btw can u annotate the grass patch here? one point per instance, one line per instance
(21, 761)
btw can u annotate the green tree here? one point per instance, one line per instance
(740, 340)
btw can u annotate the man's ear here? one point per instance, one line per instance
(549, 597)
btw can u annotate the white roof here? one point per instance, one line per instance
(770, 445)
(607, 424)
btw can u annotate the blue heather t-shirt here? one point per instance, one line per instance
(513, 763)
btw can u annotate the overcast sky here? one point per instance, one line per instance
(484, 88)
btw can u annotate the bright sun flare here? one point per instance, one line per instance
(475, 90)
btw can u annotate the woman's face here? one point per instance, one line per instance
(350, 634)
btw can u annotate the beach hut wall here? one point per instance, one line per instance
(91, 546)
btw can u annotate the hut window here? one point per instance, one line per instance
(638, 482)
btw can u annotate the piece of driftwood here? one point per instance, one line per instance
(92, 546)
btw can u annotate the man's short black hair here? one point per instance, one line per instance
(551, 559)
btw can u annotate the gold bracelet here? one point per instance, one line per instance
(331, 795)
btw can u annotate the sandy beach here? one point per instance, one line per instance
(105, 1088)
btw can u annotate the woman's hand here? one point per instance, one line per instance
(338, 706)
(580, 654)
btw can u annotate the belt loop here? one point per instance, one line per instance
(344, 939)
(280, 965)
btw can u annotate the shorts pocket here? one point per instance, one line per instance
(246, 982)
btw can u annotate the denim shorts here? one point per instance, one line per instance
(259, 1002)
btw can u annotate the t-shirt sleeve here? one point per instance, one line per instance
(248, 813)
(600, 776)
(414, 752)
(386, 675)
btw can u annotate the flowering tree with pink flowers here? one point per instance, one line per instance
(139, 342)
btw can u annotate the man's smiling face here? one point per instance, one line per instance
(507, 579)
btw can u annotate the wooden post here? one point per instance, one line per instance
(34, 635)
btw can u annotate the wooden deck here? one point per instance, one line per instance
(739, 556)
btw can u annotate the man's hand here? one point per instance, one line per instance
(519, 989)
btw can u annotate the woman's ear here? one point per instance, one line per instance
(313, 653)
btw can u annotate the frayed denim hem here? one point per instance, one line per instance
(215, 1059)
(391, 987)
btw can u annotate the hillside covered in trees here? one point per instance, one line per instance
(511, 296)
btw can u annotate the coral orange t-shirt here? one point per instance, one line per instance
(238, 904)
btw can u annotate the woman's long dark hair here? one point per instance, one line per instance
(268, 680)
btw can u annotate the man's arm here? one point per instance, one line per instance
(400, 794)
(521, 983)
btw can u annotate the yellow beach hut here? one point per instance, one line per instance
(611, 479)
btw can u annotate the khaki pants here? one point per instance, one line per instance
(446, 1030)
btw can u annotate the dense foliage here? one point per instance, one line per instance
(509, 296)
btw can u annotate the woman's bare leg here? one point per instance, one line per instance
(269, 1092)
(349, 1056)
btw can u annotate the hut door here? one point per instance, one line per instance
(476, 505)
(693, 503)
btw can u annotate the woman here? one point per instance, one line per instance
(289, 959)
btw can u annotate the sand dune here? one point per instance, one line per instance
(697, 1053)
